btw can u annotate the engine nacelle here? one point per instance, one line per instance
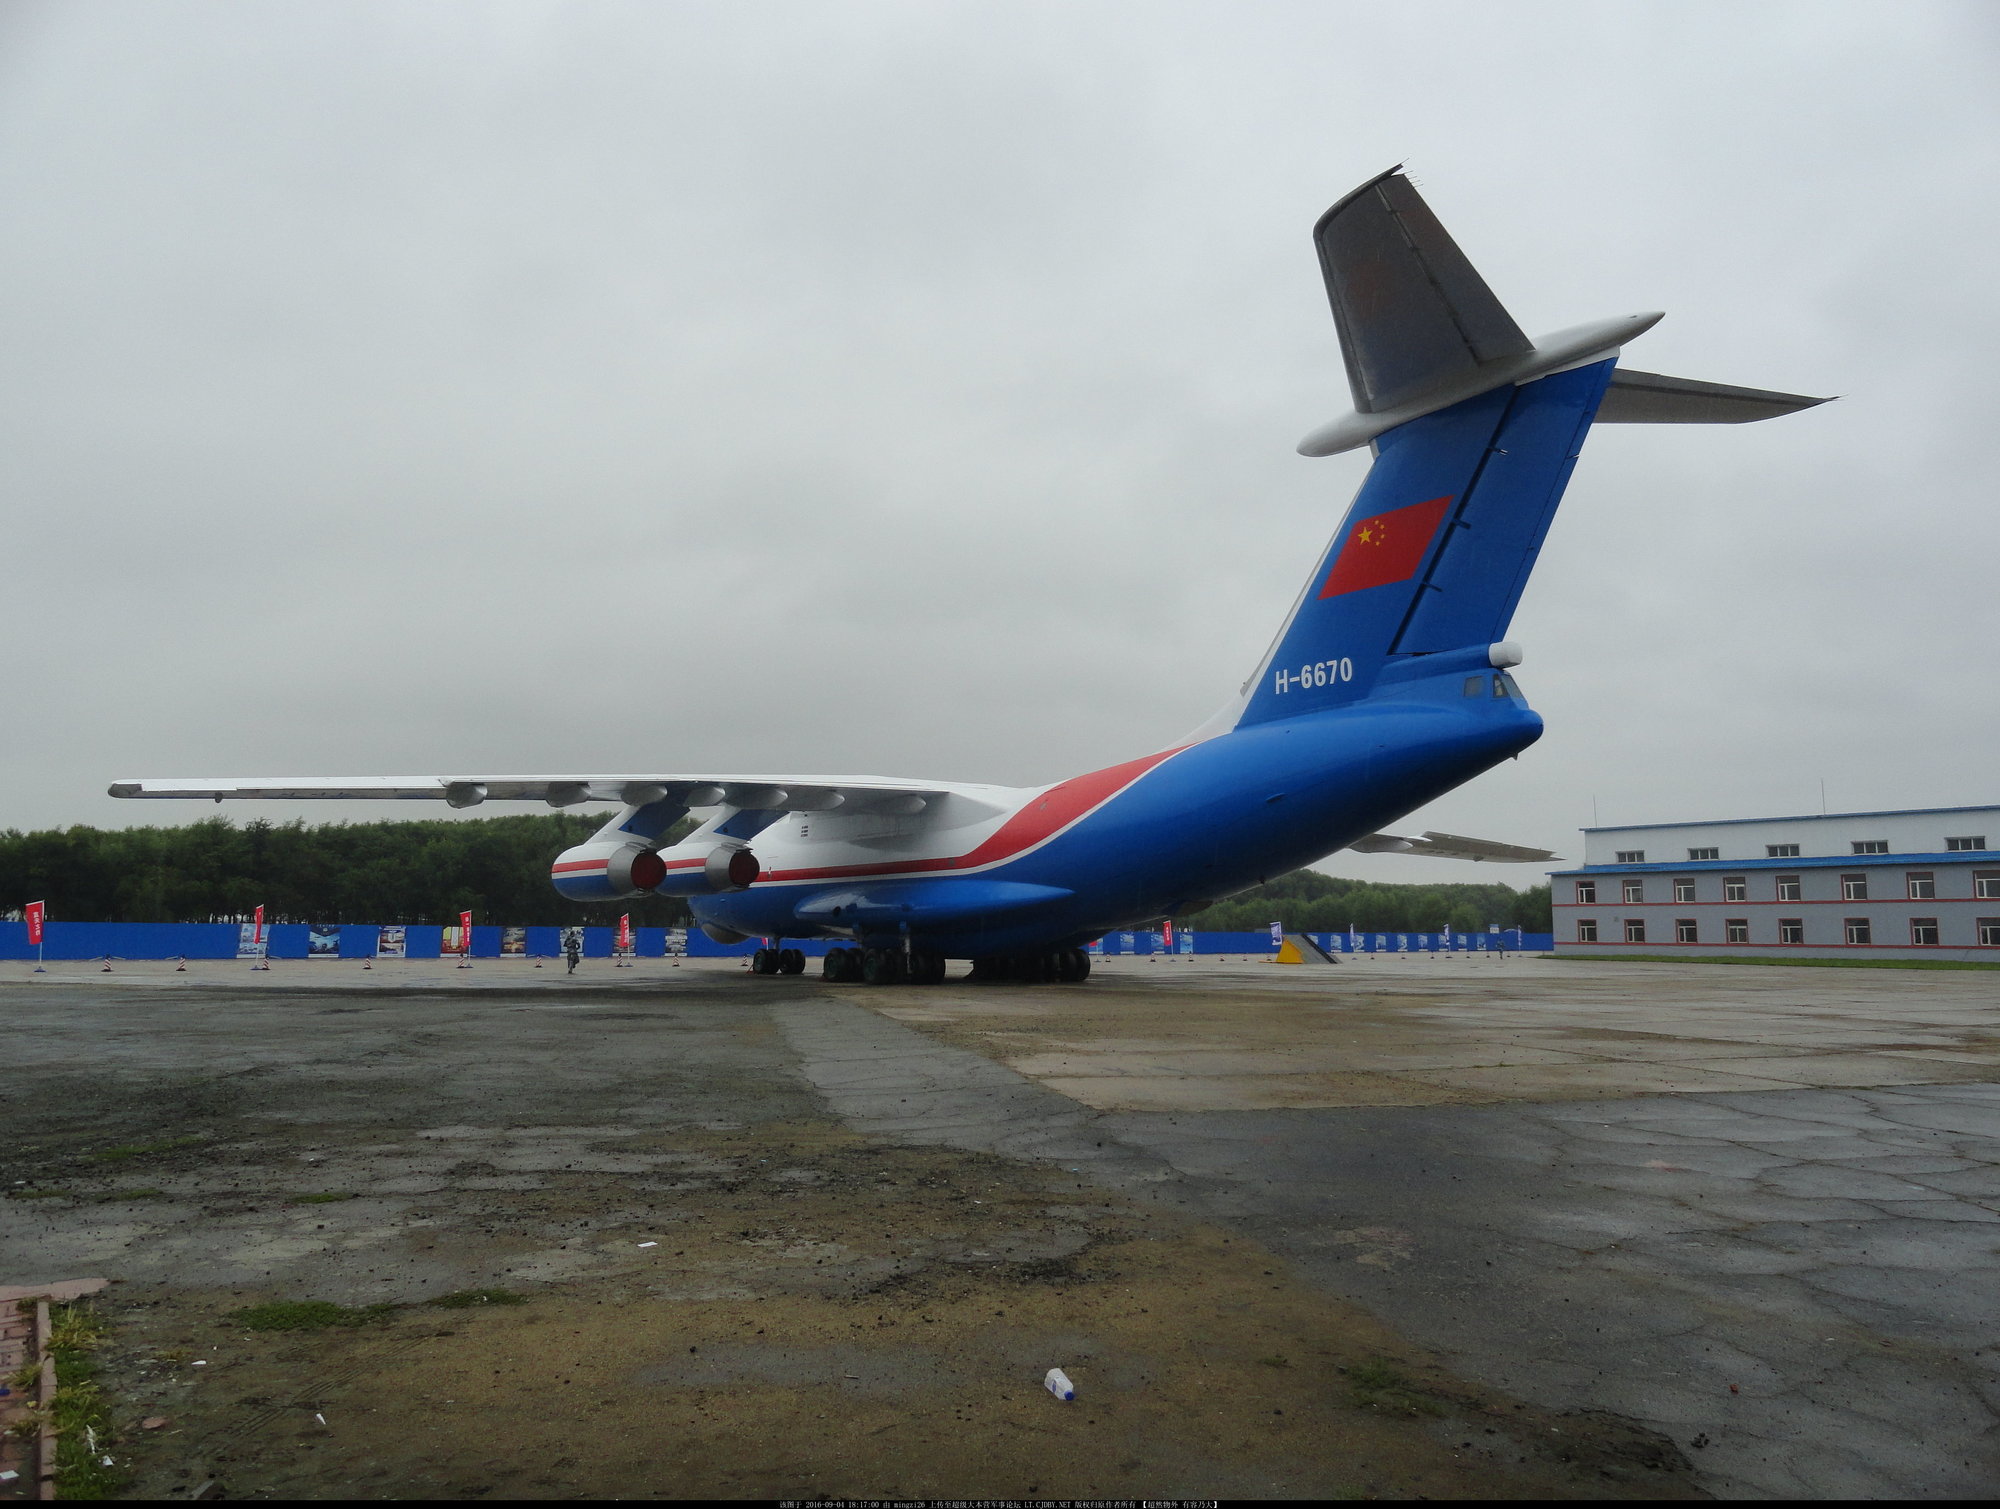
(614, 871)
(606, 871)
(726, 867)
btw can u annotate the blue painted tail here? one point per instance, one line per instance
(1436, 550)
(1475, 429)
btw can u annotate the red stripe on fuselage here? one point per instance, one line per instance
(581, 864)
(1045, 816)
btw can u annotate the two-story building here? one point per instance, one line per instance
(1924, 883)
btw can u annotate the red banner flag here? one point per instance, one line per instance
(34, 913)
(465, 934)
(258, 917)
(1167, 934)
(1385, 549)
(625, 932)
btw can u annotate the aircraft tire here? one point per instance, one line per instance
(791, 961)
(881, 966)
(926, 969)
(833, 968)
(1073, 966)
(760, 962)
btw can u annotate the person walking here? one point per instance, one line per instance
(572, 946)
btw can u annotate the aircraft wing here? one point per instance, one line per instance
(803, 793)
(1451, 846)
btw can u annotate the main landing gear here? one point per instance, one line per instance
(778, 961)
(882, 966)
(1064, 966)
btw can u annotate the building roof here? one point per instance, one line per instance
(1804, 817)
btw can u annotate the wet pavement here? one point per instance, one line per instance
(1794, 1283)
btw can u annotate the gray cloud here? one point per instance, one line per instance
(911, 388)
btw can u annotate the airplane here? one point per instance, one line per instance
(1387, 684)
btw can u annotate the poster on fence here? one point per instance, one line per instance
(513, 943)
(677, 942)
(453, 941)
(323, 940)
(392, 943)
(249, 943)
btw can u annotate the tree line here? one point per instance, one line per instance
(1308, 902)
(498, 869)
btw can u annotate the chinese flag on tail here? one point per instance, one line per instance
(1385, 548)
(33, 912)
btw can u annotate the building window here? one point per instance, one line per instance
(1683, 890)
(1635, 930)
(1704, 854)
(1854, 888)
(1781, 851)
(1871, 846)
(1923, 885)
(1586, 929)
(1735, 888)
(1586, 893)
(1986, 884)
(1791, 930)
(1964, 845)
(1923, 932)
(1857, 930)
(1685, 931)
(1737, 929)
(1631, 856)
(1989, 932)
(1788, 888)
(1635, 891)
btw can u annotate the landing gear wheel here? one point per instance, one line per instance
(881, 966)
(761, 964)
(1073, 965)
(926, 969)
(791, 961)
(833, 968)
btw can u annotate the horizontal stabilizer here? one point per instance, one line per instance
(1649, 398)
(1412, 312)
(1451, 846)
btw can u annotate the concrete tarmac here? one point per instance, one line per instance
(1755, 1210)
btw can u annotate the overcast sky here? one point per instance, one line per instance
(911, 388)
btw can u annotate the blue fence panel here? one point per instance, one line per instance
(291, 940)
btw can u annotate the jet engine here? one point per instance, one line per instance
(614, 871)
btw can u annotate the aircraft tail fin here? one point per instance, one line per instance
(1475, 429)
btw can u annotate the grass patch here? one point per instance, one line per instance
(309, 1315)
(1791, 963)
(465, 1299)
(1378, 1386)
(328, 1198)
(142, 1149)
(38, 1194)
(84, 1436)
